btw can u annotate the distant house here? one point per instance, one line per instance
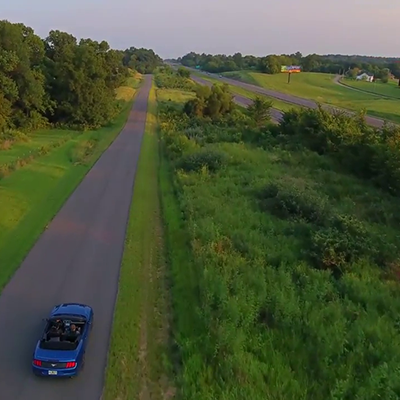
(365, 77)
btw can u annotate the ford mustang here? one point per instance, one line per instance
(61, 349)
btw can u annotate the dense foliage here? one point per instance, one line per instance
(58, 80)
(168, 78)
(293, 284)
(213, 102)
(272, 63)
(142, 60)
(369, 153)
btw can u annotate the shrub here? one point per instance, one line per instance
(293, 201)
(211, 159)
(346, 240)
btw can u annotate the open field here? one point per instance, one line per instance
(254, 232)
(390, 89)
(321, 88)
(45, 170)
(138, 356)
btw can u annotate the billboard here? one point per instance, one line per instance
(290, 68)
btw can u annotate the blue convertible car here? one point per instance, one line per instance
(61, 350)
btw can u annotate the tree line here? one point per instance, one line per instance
(271, 64)
(60, 80)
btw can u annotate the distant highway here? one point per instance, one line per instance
(288, 98)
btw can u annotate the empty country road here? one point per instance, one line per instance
(77, 259)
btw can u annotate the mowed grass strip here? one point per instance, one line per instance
(32, 195)
(321, 88)
(390, 89)
(138, 366)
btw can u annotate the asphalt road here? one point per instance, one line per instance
(77, 259)
(276, 115)
(288, 98)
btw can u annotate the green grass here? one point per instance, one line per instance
(35, 141)
(31, 195)
(254, 317)
(390, 89)
(174, 95)
(278, 104)
(321, 88)
(138, 365)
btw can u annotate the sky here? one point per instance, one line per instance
(173, 28)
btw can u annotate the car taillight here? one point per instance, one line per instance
(38, 363)
(70, 365)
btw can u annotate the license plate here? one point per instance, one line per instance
(52, 372)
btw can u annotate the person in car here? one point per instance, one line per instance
(57, 327)
(75, 331)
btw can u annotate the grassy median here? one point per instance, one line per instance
(138, 366)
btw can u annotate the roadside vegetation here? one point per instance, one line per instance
(282, 244)
(236, 90)
(139, 366)
(54, 125)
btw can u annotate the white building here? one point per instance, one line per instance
(365, 77)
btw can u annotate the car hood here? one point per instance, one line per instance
(55, 355)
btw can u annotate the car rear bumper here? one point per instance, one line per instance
(59, 372)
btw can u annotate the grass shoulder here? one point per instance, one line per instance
(138, 364)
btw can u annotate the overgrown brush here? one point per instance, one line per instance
(297, 299)
(369, 153)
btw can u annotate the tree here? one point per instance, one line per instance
(210, 102)
(183, 72)
(21, 76)
(330, 63)
(142, 60)
(58, 80)
(270, 64)
(260, 110)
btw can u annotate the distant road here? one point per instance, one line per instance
(288, 98)
(77, 259)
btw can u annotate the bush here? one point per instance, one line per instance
(12, 135)
(346, 240)
(173, 81)
(214, 103)
(293, 201)
(211, 159)
(366, 152)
